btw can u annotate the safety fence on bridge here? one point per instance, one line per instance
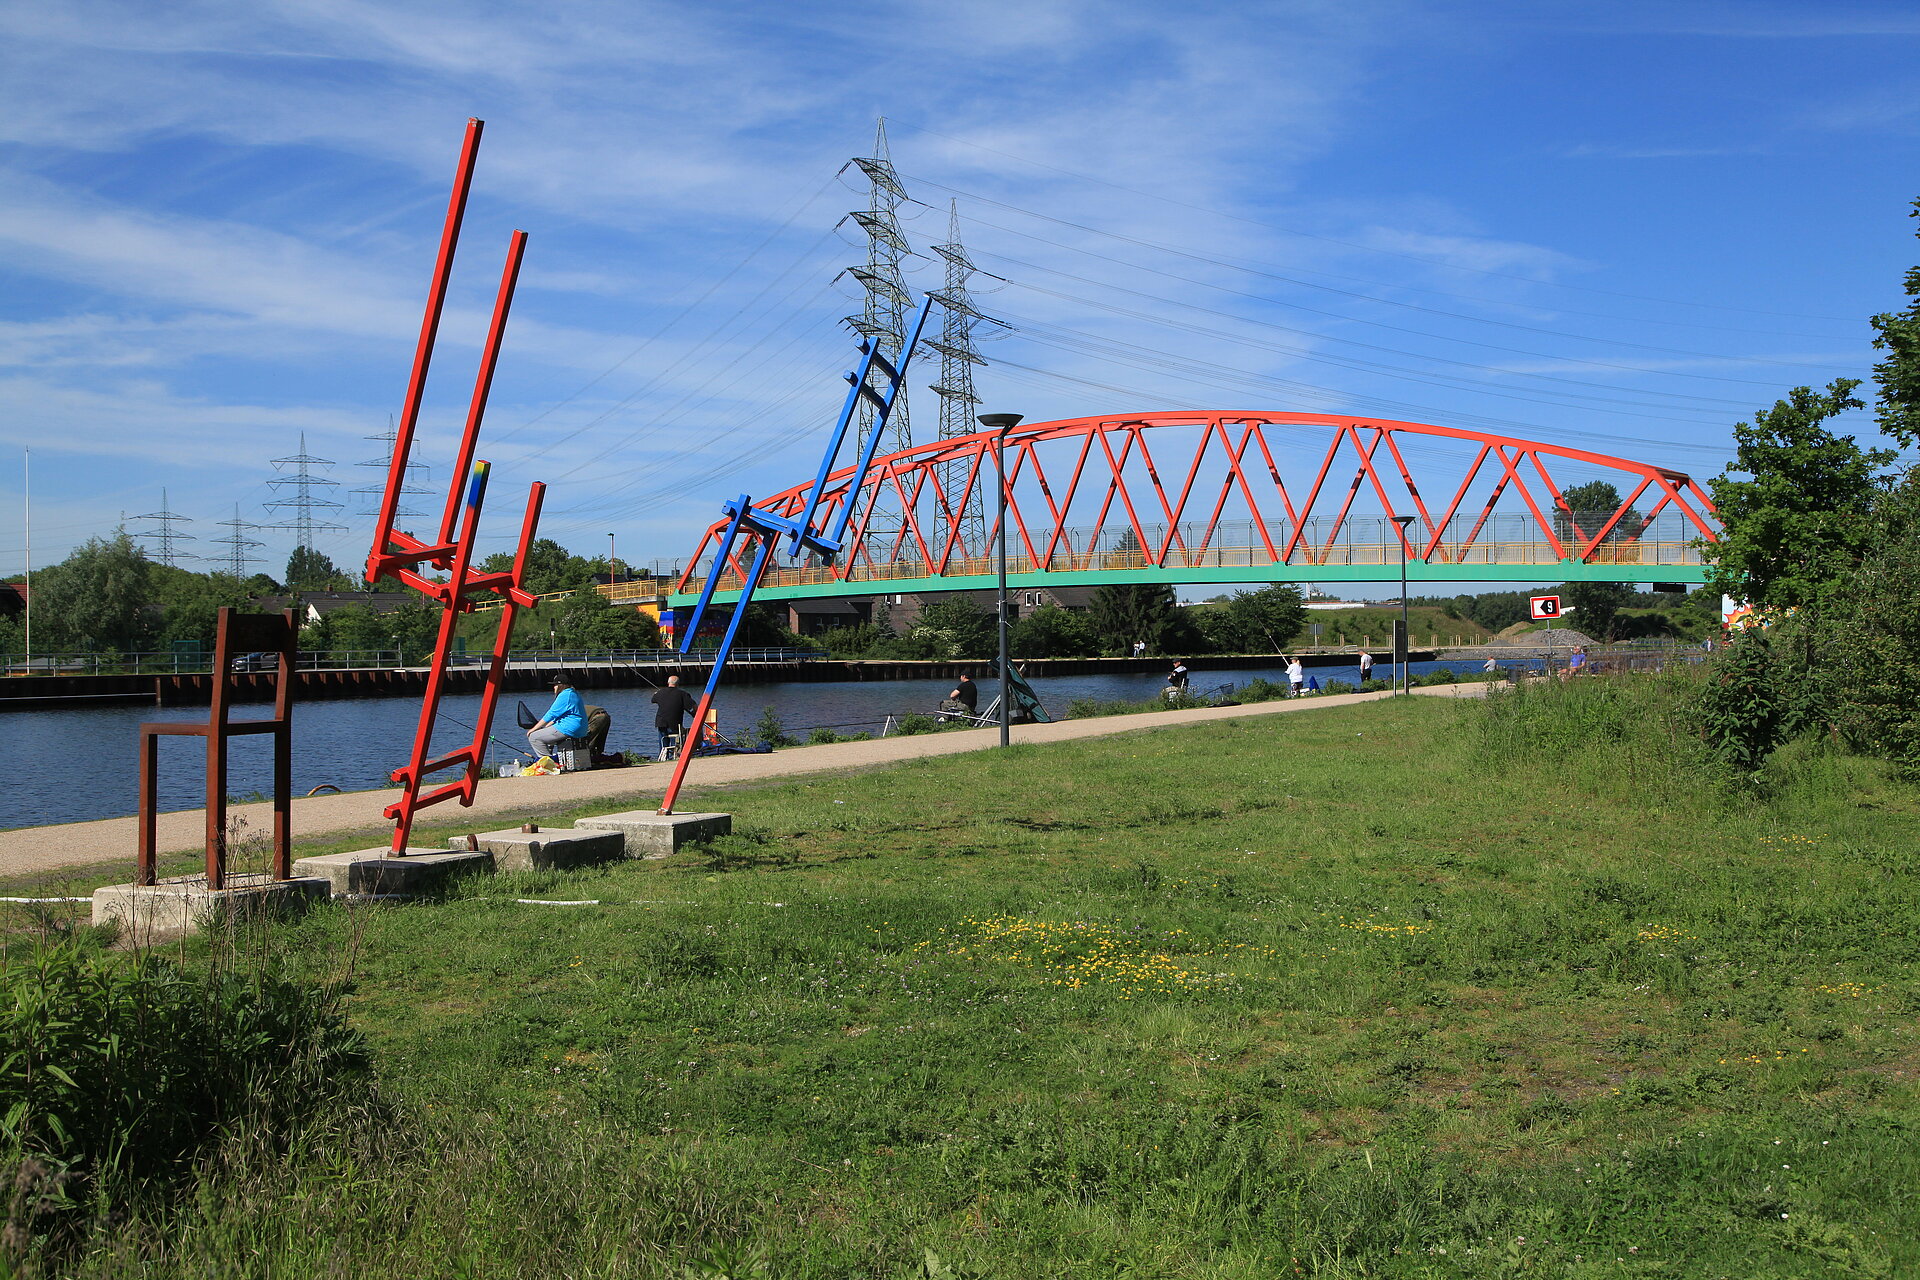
(1673, 553)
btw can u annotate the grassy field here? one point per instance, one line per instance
(1405, 989)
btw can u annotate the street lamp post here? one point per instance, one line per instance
(612, 574)
(1003, 423)
(1406, 637)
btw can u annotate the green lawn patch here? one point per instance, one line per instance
(1384, 990)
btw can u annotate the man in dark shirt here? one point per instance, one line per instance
(670, 706)
(968, 692)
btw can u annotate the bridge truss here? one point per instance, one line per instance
(1231, 496)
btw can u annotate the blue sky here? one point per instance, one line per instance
(1618, 227)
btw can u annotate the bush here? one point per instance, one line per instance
(117, 1070)
(1260, 689)
(914, 722)
(769, 732)
(822, 737)
(1747, 707)
(1337, 686)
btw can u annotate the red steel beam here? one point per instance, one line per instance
(907, 473)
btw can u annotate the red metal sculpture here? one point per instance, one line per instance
(1094, 468)
(400, 555)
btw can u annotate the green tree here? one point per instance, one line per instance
(1792, 533)
(1121, 613)
(1051, 632)
(1869, 640)
(1897, 406)
(310, 570)
(550, 567)
(1596, 605)
(956, 627)
(1267, 619)
(320, 635)
(416, 630)
(1498, 610)
(1213, 627)
(1592, 505)
(190, 603)
(850, 642)
(588, 620)
(98, 598)
(413, 629)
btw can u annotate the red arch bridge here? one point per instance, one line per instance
(1192, 497)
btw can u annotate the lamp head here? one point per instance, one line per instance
(999, 421)
(1402, 521)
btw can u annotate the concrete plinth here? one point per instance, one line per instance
(372, 871)
(184, 904)
(655, 835)
(540, 850)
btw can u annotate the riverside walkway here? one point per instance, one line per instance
(31, 851)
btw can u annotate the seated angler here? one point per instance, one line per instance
(566, 718)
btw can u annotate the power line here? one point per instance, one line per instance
(1364, 248)
(1349, 293)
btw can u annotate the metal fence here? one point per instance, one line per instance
(188, 663)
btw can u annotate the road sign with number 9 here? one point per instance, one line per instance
(1543, 606)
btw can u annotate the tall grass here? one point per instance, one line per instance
(1623, 735)
(117, 1072)
(1640, 737)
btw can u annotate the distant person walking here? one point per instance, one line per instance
(1366, 666)
(670, 705)
(1296, 675)
(1139, 648)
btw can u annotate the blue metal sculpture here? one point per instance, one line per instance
(766, 528)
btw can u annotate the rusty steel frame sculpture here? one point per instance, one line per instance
(1112, 462)
(404, 557)
(804, 523)
(234, 633)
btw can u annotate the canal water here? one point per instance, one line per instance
(72, 766)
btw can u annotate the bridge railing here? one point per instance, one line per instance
(183, 662)
(1343, 554)
(193, 663)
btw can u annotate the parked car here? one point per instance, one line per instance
(257, 662)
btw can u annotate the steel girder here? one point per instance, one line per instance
(1176, 496)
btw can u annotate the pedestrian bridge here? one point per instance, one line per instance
(1206, 496)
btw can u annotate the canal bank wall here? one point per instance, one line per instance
(59, 692)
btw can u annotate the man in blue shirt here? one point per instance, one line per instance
(566, 718)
